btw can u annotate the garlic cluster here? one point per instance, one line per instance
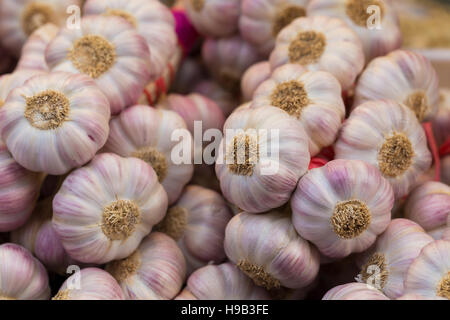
(221, 282)
(342, 207)
(354, 291)
(103, 210)
(147, 133)
(197, 222)
(55, 122)
(253, 77)
(388, 135)
(155, 271)
(313, 98)
(225, 99)
(321, 44)
(90, 284)
(22, 276)
(403, 76)
(267, 248)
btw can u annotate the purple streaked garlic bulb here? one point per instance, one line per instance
(277, 258)
(221, 282)
(321, 44)
(262, 155)
(152, 20)
(20, 18)
(384, 266)
(214, 18)
(110, 51)
(228, 58)
(55, 122)
(342, 207)
(402, 76)
(262, 20)
(429, 274)
(379, 34)
(155, 271)
(389, 136)
(10, 81)
(441, 121)
(197, 222)
(103, 210)
(253, 77)
(226, 100)
(429, 206)
(313, 98)
(23, 276)
(354, 291)
(146, 133)
(90, 284)
(33, 51)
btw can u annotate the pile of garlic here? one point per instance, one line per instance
(220, 149)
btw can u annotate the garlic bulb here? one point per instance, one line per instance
(385, 265)
(429, 274)
(446, 234)
(354, 291)
(214, 18)
(155, 271)
(221, 282)
(386, 134)
(441, 121)
(197, 222)
(262, 155)
(151, 19)
(321, 44)
(90, 284)
(403, 76)
(103, 210)
(225, 99)
(55, 122)
(312, 98)
(146, 133)
(415, 296)
(9, 82)
(268, 249)
(253, 77)
(110, 51)
(19, 18)
(262, 20)
(342, 207)
(33, 51)
(429, 206)
(23, 276)
(375, 22)
(227, 59)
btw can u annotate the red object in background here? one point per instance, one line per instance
(325, 155)
(187, 35)
(434, 149)
(444, 150)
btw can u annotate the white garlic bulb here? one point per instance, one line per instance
(354, 291)
(388, 135)
(103, 210)
(253, 77)
(342, 207)
(11, 81)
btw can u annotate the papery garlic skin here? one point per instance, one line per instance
(23, 277)
(10, 81)
(384, 266)
(197, 222)
(33, 51)
(214, 18)
(155, 271)
(441, 121)
(59, 135)
(225, 99)
(146, 133)
(221, 282)
(354, 291)
(253, 77)
(378, 36)
(103, 210)
(19, 18)
(264, 176)
(321, 44)
(386, 134)
(429, 274)
(262, 20)
(268, 249)
(429, 206)
(151, 19)
(90, 284)
(312, 98)
(109, 50)
(403, 76)
(342, 207)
